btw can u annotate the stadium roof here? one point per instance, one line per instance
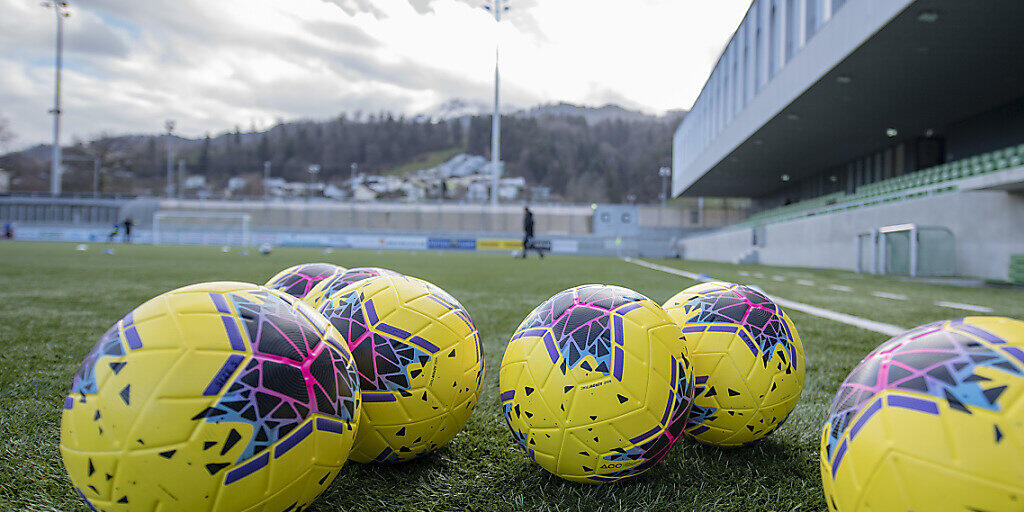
(935, 62)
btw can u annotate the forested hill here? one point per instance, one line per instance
(580, 157)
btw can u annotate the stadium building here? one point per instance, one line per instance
(882, 136)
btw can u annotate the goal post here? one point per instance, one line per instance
(202, 228)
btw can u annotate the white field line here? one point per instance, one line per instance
(840, 288)
(893, 296)
(744, 273)
(778, 278)
(960, 305)
(863, 323)
(804, 282)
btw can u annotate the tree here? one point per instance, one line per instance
(6, 135)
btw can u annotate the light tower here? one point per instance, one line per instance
(60, 10)
(169, 125)
(497, 8)
(665, 173)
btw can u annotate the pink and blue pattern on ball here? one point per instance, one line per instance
(578, 322)
(114, 343)
(656, 448)
(927, 366)
(296, 371)
(301, 279)
(742, 310)
(383, 352)
(353, 275)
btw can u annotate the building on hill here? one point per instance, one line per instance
(840, 118)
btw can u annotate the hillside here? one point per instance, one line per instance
(582, 154)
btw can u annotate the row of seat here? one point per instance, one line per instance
(907, 186)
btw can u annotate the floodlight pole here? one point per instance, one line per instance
(266, 178)
(96, 176)
(313, 170)
(56, 161)
(497, 7)
(181, 178)
(169, 124)
(665, 173)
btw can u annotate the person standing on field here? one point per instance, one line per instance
(528, 242)
(128, 230)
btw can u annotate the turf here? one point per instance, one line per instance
(55, 302)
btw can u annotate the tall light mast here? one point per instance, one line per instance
(496, 7)
(169, 125)
(60, 10)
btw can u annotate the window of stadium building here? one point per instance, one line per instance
(758, 60)
(773, 41)
(812, 18)
(792, 32)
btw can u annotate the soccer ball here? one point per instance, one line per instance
(213, 397)
(596, 384)
(298, 281)
(931, 420)
(420, 364)
(747, 358)
(335, 283)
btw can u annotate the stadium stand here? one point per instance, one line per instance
(934, 180)
(860, 117)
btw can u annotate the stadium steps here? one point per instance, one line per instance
(933, 180)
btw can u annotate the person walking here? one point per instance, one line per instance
(128, 230)
(528, 234)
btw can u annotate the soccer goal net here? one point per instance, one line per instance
(201, 228)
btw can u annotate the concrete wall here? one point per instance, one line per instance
(988, 227)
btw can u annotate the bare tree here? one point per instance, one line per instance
(6, 135)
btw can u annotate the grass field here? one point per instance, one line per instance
(55, 302)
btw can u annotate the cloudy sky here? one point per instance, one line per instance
(214, 64)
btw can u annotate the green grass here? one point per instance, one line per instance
(55, 302)
(425, 161)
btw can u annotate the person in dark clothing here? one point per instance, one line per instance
(128, 230)
(8, 231)
(528, 242)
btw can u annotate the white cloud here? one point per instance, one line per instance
(212, 65)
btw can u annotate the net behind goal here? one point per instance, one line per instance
(201, 228)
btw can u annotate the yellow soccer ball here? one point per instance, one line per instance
(299, 280)
(213, 397)
(596, 384)
(747, 358)
(340, 280)
(932, 419)
(419, 360)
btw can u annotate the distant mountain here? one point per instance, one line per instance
(456, 108)
(593, 115)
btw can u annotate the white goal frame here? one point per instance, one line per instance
(245, 221)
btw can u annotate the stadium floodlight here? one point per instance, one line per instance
(313, 169)
(497, 8)
(665, 173)
(60, 10)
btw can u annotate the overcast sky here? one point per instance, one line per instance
(214, 64)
